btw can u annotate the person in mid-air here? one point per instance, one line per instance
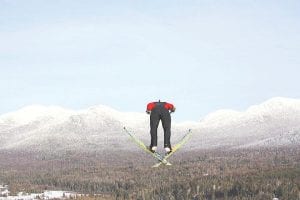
(160, 111)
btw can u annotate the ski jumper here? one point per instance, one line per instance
(160, 111)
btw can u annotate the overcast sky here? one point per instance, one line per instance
(201, 55)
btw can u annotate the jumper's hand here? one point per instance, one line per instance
(173, 110)
(148, 112)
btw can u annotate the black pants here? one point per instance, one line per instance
(164, 116)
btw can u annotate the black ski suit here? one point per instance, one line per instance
(160, 112)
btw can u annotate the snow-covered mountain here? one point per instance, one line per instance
(275, 122)
(40, 128)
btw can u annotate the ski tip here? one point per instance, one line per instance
(161, 164)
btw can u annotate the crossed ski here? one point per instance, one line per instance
(159, 157)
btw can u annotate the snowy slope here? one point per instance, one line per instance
(52, 128)
(40, 128)
(272, 123)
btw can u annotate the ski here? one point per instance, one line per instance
(156, 155)
(183, 140)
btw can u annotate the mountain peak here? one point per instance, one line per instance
(221, 115)
(282, 100)
(275, 104)
(34, 112)
(102, 108)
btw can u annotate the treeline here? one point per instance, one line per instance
(247, 174)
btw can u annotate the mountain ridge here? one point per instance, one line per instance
(42, 128)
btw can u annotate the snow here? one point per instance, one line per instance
(51, 128)
(54, 194)
(127, 118)
(46, 195)
(221, 118)
(274, 105)
(35, 112)
(4, 192)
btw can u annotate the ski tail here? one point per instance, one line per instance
(146, 149)
(181, 142)
(137, 141)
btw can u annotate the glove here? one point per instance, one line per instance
(173, 110)
(148, 112)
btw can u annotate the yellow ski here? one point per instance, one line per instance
(184, 139)
(146, 149)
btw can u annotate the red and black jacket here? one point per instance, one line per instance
(168, 106)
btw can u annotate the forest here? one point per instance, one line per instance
(263, 173)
